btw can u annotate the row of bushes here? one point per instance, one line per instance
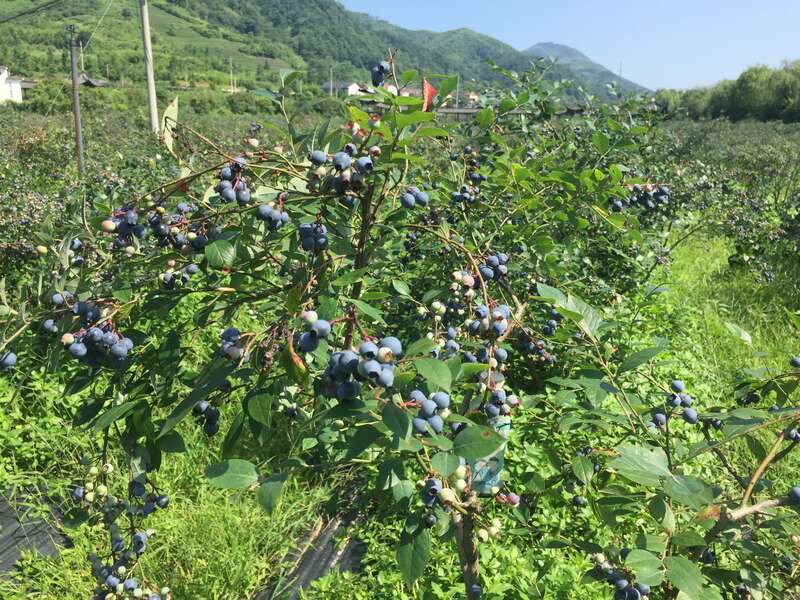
(758, 93)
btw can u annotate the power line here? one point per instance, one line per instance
(85, 48)
(30, 11)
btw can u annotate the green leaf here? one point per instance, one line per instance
(350, 277)
(639, 358)
(401, 287)
(113, 414)
(477, 442)
(421, 346)
(447, 85)
(686, 576)
(233, 435)
(233, 473)
(689, 490)
(600, 141)
(662, 513)
(172, 442)
(431, 132)
(740, 333)
(168, 121)
(485, 117)
(270, 491)
(641, 464)
(404, 119)
(583, 469)
(445, 463)
(687, 539)
(397, 420)
(208, 383)
(412, 554)
(435, 372)
(646, 565)
(220, 253)
(368, 310)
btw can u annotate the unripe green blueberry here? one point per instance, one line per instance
(460, 485)
(138, 593)
(483, 535)
(494, 532)
(108, 468)
(446, 495)
(102, 490)
(88, 486)
(41, 250)
(461, 471)
(89, 497)
(310, 316)
(495, 490)
(93, 471)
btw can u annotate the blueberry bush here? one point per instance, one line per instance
(402, 296)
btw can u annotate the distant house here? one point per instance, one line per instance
(345, 88)
(10, 87)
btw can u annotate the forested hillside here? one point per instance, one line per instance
(200, 41)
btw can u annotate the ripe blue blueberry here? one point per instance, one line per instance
(690, 416)
(318, 157)
(441, 399)
(678, 386)
(393, 344)
(341, 161)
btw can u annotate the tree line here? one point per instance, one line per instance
(760, 93)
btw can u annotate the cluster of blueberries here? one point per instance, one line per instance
(230, 347)
(374, 362)
(649, 198)
(232, 185)
(490, 323)
(169, 279)
(527, 343)
(414, 197)
(168, 229)
(623, 589)
(495, 267)
(319, 329)
(432, 411)
(552, 324)
(207, 415)
(275, 218)
(94, 341)
(114, 578)
(450, 347)
(380, 72)
(465, 195)
(499, 403)
(313, 237)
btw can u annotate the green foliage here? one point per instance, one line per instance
(759, 93)
(663, 493)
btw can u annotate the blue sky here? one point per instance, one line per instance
(660, 43)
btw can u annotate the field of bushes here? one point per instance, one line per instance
(623, 291)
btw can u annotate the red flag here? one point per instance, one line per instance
(428, 92)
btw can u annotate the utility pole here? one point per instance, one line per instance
(76, 103)
(148, 65)
(458, 88)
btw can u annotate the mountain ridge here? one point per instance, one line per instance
(202, 40)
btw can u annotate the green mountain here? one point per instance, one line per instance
(582, 68)
(200, 41)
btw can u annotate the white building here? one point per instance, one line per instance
(10, 88)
